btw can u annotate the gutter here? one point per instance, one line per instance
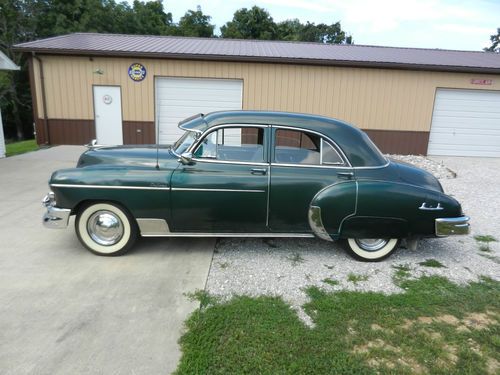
(44, 100)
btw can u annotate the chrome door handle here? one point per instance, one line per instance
(424, 207)
(261, 171)
(345, 175)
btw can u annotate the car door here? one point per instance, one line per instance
(226, 188)
(302, 163)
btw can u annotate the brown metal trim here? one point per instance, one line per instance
(260, 59)
(44, 100)
(400, 141)
(71, 131)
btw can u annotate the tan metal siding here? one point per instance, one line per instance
(380, 99)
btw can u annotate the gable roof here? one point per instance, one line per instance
(265, 51)
(6, 63)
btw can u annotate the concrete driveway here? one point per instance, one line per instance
(66, 311)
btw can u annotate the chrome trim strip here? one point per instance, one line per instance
(326, 166)
(229, 162)
(239, 235)
(355, 209)
(153, 227)
(316, 223)
(220, 190)
(375, 167)
(424, 207)
(111, 187)
(452, 226)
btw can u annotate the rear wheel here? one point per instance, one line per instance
(371, 249)
(106, 229)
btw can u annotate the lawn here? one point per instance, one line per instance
(17, 148)
(434, 327)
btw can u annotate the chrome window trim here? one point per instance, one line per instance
(111, 187)
(221, 126)
(221, 190)
(347, 162)
(229, 162)
(309, 166)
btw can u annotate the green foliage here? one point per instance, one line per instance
(354, 278)
(495, 42)
(17, 148)
(253, 23)
(485, 238)
(195, 23)
(331, 282)
(433, 263)
(427, 329)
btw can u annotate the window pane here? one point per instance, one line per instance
(296, 147)
(234, 144)
(329, 154)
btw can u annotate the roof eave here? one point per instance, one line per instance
(260, 59)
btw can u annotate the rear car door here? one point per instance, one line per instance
(225, 190)
(302, 163)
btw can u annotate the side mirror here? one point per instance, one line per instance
(186, 158)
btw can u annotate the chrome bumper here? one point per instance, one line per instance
(55, 218)
(452, 226)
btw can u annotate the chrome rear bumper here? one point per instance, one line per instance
(55, 218)
(452, 226)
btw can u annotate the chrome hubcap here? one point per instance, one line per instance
(105, 228)
(371, 244)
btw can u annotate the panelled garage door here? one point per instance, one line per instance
(179, 98)
(465, 123)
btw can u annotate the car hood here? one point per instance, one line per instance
(126, 156)
(412, 175)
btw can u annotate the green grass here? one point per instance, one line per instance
(402, 272)
(485, 238)
(435, 327)
(331, 281)
(432, 263)
(355, 278)
(17, 148)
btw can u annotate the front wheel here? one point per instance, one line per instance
(371, 249)
(105, 229)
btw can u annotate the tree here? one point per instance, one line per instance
(254, 23)
(310, 32)
(195, 23)
(495, 42)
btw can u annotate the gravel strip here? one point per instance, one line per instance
(285, 267)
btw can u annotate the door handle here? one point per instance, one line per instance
(261, 171)
(345, 175)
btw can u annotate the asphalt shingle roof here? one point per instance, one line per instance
(265, 51)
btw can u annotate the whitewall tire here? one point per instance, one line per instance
(371, 249)
(105, 228)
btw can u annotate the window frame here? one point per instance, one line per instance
(210, 130)
(345, 161)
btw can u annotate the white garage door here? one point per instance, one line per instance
(465, 123)
(179, 98)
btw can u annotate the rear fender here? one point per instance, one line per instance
(330, 207)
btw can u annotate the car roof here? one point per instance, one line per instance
(356, 145)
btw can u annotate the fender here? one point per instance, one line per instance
(331, 206)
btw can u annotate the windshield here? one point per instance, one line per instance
(184, 142)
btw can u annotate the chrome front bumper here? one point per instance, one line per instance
(55, 218)
(452, 226)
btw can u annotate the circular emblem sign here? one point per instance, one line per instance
(107, 99)
(137, 72)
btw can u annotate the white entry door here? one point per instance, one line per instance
(465, 123)
(179, 98)
(108, 115)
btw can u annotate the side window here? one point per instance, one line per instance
(244, 144)
(297, 147)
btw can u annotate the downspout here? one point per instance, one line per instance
(44, 100)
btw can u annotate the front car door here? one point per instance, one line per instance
(302, 163)
(225, 190)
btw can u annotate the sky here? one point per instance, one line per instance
(445, 24)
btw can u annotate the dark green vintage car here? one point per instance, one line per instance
(252, 174)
